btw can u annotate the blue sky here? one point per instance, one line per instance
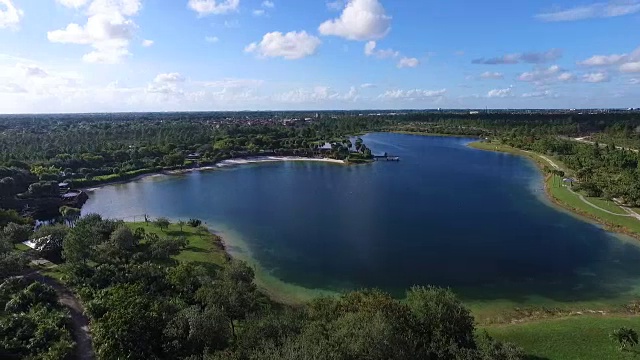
(161, 55)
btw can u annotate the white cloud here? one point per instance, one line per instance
(370, 50)
(566, 77)
(529, 58)
(360, 20)
(73, 3)
(108, 30)
(500, 93)
(291, 46)
(368, 86)
(258, 12)
(10, 15)
(12, 88)
(634, 81)
(407, 62)
(596, 10)
(415, 94)
(630, 67)
(597, 77)
(315, 95)
(538, 94)
(211, 39)
(234, 83)
(268, 4)
(540, 74)
(32, 70)
(336, 5)
(207, 7)
(488, 75)
(169, 78)
(604, 60)
(147, 43)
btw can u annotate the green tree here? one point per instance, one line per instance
(49, 240)
(162, 222)
(181, 223)
(17, 233)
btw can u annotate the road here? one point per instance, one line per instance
(585, 141)
(79, 321)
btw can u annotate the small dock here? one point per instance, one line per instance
(386, 158)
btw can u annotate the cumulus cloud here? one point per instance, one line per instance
(596, 10)
(211, 39)
(540, 74)
(268, 4)
(516, 58)
(408, 62)
(368, 86)
(109, 30)
(258, 12)
(634, 81)
(169, 78)
(566, 77)
(597, 77)
(10, 15)
(604, 60)
(488, 75)
(12, 88)
(216, 7)
(73, 3)
(370, 50)
(538, 94)
(147, 43)
(630, 67)
(360, 20)
(234, 83)
(500, 93)
(315, 95)
(415, 94)
(291, 46)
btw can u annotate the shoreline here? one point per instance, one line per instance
(220, 165)
(540, 163)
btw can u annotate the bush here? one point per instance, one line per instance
(194, 222)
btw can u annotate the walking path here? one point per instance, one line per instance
(601, 209)
(79, 322)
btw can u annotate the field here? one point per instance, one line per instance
(574, 338)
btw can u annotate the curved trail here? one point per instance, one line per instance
(79, 322)
(601, 209)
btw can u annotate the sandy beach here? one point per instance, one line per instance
(224, 164)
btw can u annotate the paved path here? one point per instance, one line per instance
(631, 212)
(79, 322)
(598, 207)
(585, 141)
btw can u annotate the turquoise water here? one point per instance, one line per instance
(445, 215)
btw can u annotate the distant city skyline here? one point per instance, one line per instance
(59, 56)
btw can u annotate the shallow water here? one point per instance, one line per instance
(445, 215)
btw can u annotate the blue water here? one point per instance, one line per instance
(445, 215)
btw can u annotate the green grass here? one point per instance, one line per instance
(574, 338)
(607, 205)
(566, 197)
(206, 250)
(21, 247)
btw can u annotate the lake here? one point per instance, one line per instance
(445, 215)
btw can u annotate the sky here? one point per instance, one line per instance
(66, 56)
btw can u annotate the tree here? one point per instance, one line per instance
(625, 337)
(195, 223)
(162, 222)
(181, 223)
(70, 214)
(17, 233)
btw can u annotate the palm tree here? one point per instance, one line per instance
(625, 337)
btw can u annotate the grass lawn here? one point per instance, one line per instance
(22, 247)
(575, 338)
(206, 250)
(568, 198)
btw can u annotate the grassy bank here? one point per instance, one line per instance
(561, 195)
(204, 249)
(573, 338)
